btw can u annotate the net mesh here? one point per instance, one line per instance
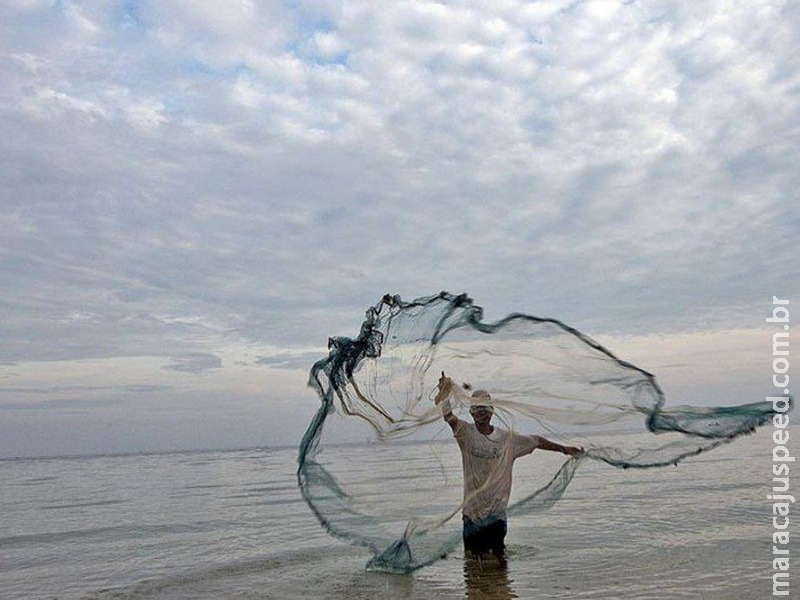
(378, 465)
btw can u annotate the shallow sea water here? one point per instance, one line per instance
(232, 524)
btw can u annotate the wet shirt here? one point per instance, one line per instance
(488, 461)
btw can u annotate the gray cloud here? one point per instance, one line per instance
(56, 389)
(194, 363)
(234, 175)
(65, 404)
(286, 360)
(146, 389)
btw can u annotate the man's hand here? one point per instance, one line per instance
(445, 385)
(573, 451)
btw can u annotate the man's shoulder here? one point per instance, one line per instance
(463, 425)
(461, 429)
(523, 436)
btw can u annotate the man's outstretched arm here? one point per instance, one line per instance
(445, 385)
(546, 444)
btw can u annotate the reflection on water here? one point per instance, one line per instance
(486, 578)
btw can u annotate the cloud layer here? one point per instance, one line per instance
(232, 183)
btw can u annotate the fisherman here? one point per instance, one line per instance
(487, 456)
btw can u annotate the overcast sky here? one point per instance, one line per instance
(196, 194)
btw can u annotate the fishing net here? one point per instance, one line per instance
(379, 466)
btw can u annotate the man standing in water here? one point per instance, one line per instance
(487, 456)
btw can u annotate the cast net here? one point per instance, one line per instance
(379, 466)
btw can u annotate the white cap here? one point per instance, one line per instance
(481, 398)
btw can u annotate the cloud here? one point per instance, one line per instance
(55, 389)
(291, 360)
(224, 179)
(194, 363)
(146, 389)
(518, 144)
(59, 405)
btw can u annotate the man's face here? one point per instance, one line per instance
(481, 414)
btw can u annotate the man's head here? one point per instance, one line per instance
(481, 407)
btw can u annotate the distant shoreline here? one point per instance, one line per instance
(168, 452)
(135, 453)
